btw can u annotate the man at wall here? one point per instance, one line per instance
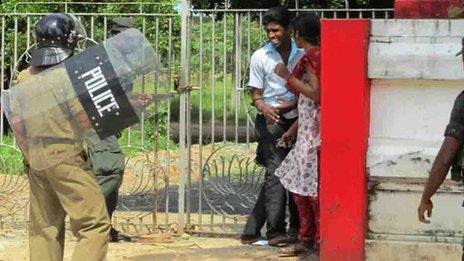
(448, 154)
(277, 111)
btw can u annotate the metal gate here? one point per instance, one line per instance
(190, 168)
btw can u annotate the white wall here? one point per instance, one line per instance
(407, 122)
(415, 79)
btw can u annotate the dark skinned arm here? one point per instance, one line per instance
(441, 165)
(269, 112)
(309, 89)
(291, 132)
(287, 106)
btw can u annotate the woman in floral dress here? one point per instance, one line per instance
(299, 171)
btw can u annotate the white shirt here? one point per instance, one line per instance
(262, 76)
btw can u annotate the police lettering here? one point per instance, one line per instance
(97, 86)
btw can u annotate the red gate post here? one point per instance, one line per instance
(345, 129)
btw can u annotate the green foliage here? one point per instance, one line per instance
(10, 158)
(138, 136)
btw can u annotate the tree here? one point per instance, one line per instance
(242, 4)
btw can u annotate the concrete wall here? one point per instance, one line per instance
(407, 122)
(415, 78)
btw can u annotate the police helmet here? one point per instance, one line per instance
(120, 24)
(56, 37)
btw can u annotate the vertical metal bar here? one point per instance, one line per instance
(142, 118)
(189, 158)
(238, 72)
(105, 27)
(157, 49)
(2, 76)
(189, 129)
(200, 138)
(260, 31)
(224, 81)
(373, 14)
(155, 143)
(386, 14)
(28, 33)
(322, 14)
(155, 170)
(335, 15)
(248, 61)
(213, 94)
(92, 25)
(168, 131)
(15, 57)
(213, 78)
(185, 14)
(360, 14)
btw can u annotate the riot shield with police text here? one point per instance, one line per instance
(91, 94)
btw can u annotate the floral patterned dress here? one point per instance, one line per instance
(299, 170)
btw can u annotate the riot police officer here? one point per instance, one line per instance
(65, 185)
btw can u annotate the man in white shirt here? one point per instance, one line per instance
(277, 111)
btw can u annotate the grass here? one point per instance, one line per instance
(10, 158)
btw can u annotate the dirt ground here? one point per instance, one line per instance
(14, 247)
(13, 215)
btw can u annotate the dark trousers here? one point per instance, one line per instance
(107, 161)
(272, 199)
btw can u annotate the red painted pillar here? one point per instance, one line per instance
(345, 130)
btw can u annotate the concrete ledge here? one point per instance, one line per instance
(393, 211)
(417, 27)
(415, 49)
(380, 250)
(399, 60)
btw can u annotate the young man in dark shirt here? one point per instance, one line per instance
(452, 145)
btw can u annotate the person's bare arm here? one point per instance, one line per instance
(287, 106)
(269, 112)
(290, 134)
(441, 165)
(309, 89)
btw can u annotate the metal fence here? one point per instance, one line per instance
(190, 167)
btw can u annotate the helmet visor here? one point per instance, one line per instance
(48, 56)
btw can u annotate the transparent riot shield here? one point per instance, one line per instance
(90, 94)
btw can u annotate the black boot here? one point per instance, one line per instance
(115, 236)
